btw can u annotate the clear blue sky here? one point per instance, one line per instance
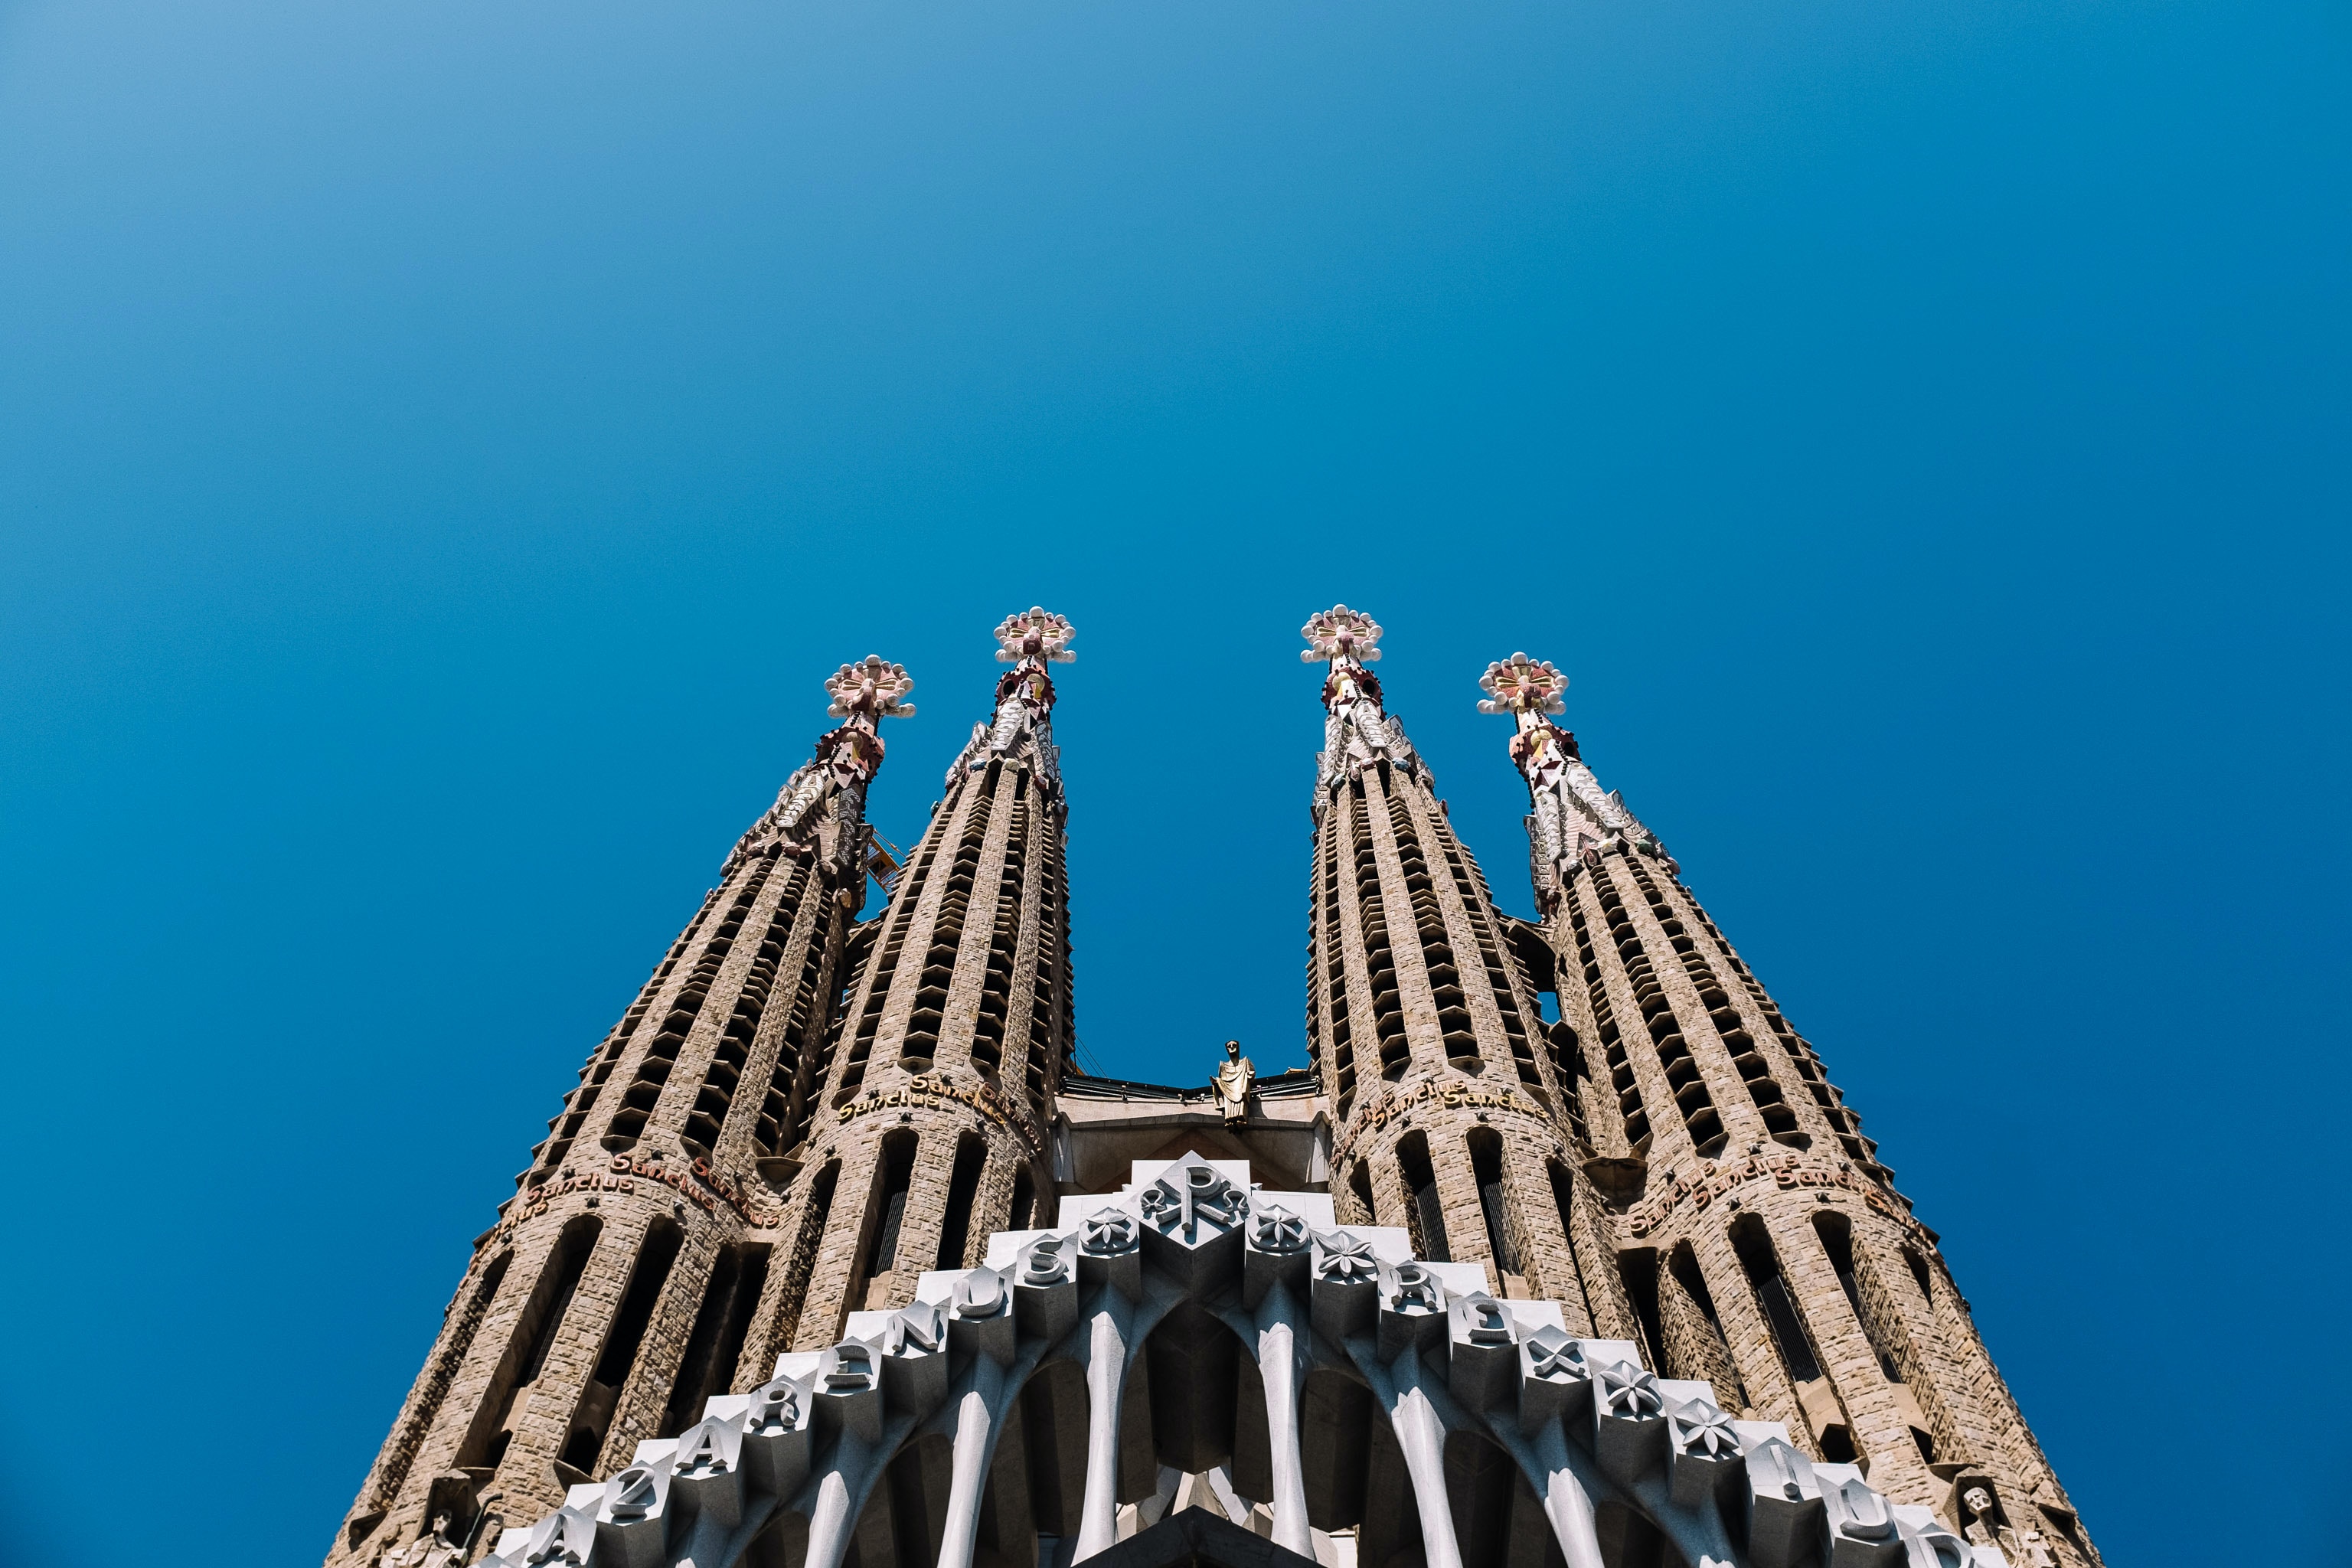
(444, 446)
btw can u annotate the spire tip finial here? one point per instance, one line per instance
(1522, 685)
(1340, 633)
(873, 686)
(1037, 634)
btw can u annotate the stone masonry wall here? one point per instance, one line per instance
(1744, 1127)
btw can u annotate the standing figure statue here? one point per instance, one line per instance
(1232, 1085)
(435, 1549)
(1985, 1525)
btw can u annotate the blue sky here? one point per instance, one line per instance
(443, 448)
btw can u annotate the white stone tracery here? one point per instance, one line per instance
(1584, 1422)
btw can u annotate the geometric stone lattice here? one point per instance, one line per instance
(1253, 1326)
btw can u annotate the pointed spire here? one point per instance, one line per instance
(1357, 732)
(845, 761)
(1028, 640)
(1571, 821)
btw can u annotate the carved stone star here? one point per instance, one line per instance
(1275, 1229)
(1108, 1232)
(1703, 1429)
(1629, 1391)
(1348, 1259)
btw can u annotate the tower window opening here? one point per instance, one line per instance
(579, 1240)
(1460, 1037)
(882, 970)
(1623, 1083)
(535, 1329)
(1380, 962)
(1761, 1263)
(1700, 1118)
(663, 1238)
(1816, 1394)
(1533, 957)
(1563, 1199)
(810, 1237)
(922, 1044)
(963, 1196)
(712, 1345)
(1425, 1210)
(1836, 1233)
(1024, 1198)
(623, 1340)
(1487, 1165)
(887, 1213)
(1004, 938)
(1638, 1268)
(1919, 1266)
(1763, 1089)
(1568, 1072)
(732, 1056)
(1684, 1265)
(1707, 1353)
(1359, 1182)
(637, 1104)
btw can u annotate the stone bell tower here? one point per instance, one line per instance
(1453, 1111)
(1757, 1234)
(1562, 1247)
(618, 1290)
(956, 1026)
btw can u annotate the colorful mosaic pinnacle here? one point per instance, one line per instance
(1522, 684)
(871, 689)
(1340, 633)
(1035, 634)
(1563, 1247)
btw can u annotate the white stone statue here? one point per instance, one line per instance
(1232, 1085)
(435, 1549)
